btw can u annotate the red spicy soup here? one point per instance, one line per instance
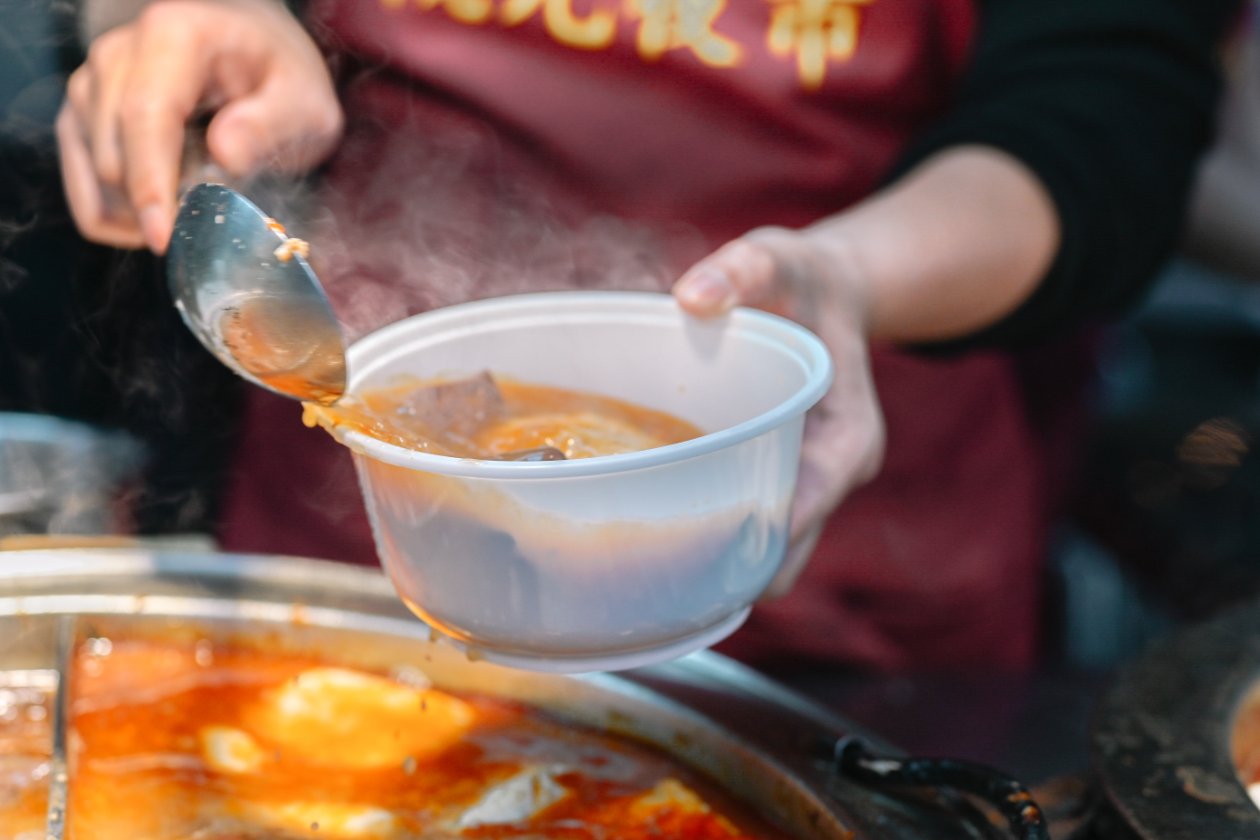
(494, 417)
(216, 742)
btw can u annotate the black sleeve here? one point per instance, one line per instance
(1109, 103)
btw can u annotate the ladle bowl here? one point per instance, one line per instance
(246, 291)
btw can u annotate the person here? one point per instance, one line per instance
(1224, 210)
(941, 189)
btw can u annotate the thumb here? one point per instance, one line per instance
(280, 126)
(741, 272)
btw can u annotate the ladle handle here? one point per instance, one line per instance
(1009, 797)
(196, 165)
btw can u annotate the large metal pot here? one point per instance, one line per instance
(762, 743)
(1168, 734)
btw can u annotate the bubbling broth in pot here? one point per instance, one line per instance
(494, 417)
(24, 761)
(211, 741)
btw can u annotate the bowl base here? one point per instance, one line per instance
(613, 661)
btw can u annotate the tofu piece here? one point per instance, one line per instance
(339, 821)
(336, 717)
(22, 796)
(670, 798)
(669, 793)
(516, 799)
(230, 750)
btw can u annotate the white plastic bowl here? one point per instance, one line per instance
(601, 563)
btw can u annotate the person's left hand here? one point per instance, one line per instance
(812, 280)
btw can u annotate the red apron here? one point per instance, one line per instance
(498, 146)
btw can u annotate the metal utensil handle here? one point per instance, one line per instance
(58, 777)
(1011, 798)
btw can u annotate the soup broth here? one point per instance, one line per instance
(216, 742)
(494, 417)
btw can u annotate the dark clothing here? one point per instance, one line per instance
(1110, 104)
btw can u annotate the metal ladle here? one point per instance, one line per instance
(257, 305)
(253, 301)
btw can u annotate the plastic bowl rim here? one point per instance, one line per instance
(811, 350)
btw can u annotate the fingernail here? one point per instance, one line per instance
(707, 289)
(155, 227)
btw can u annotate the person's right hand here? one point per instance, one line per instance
(122, 128)
(806, 275)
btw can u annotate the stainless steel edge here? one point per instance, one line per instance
(761, 741)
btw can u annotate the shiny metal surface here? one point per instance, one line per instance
(263, 315)
(764, 744)
(59, 773)
(1162, 735)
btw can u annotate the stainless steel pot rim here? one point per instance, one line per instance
(765, 744)
(678, 706)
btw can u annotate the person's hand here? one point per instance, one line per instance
(122, 129)
(808, 279)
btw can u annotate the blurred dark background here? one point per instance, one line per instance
(88, 333)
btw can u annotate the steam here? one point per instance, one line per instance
(426, 208)
(11, 274)
(435, 208)
(58, 477)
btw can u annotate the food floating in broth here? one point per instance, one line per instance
(216, 741)
(24, 767)
(493, 417)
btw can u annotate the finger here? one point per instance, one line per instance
(842, 448)
(741, 272)
(281, 126)
(109, 64)
(834, 460)
(77, 176)
(818, 489)
(166, 83)
(843, 444)
(83, 190)
(79, 94)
